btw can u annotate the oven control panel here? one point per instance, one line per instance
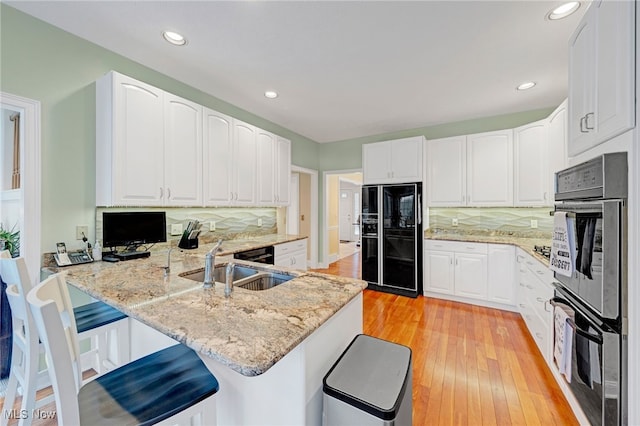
(603, 177)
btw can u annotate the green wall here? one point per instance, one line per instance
(42, 62)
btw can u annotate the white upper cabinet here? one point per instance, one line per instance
(183, 152)
(446, 171)
(397, 161)
(490, 169)
(266, 148)
(244, 164)
(283, 171)
(472, 170)
(557, 145)
(601, 75)
(129, 142)
(531, 165)
(217, 155)
(156, 149)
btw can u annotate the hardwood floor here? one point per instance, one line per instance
(471, 365)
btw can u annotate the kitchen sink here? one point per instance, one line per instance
(220, 274)
(263, 281)
(243, 276)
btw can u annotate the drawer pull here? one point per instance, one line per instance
(530, 287)
(539, 336)
(522, 305)
(540, 272)
(540, 299)
(522, 285)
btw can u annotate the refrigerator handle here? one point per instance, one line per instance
(419, 209)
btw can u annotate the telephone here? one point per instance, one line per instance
(65, 259)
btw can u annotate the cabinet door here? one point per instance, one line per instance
(557, 146)
(438, 271)
(244, 164)
(266, 147)
(406, 160)
(376, 162)
(501, 274)
(615, 96)
(581, 82)
(217, 154)
(183, 152)
(446, 172)
(471, 275)
(299, 260)
(531, 171)
(283, 171)
(490, 169)
(138, 143)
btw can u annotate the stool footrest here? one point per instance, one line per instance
(94, 315)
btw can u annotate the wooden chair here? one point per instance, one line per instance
(167, 387)
(96, 321)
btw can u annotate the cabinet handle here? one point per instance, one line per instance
(522, 285)
(168, 193)
(522, 305)
(546, 303)
(545, 196)
(540, 299)
(586, 121)
(161, 193)
(540, 272)
(530, 287)
(470, 248)
(540, 336)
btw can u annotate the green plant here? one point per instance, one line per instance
(10, 240)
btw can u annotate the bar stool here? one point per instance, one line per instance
(168, 387)
(97, 321)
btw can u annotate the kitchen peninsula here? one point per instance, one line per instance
(268, 349)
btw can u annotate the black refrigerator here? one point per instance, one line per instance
(391, 232)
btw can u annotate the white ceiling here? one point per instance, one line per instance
(342, 69)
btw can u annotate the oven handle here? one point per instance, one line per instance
(593, 337)
(569, 214)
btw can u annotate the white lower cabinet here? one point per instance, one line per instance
(291, 255)
(501, 273)
(534, 292)
(456, 268)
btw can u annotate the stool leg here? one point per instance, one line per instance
(30, 382)
(123, 341)
(17, 359)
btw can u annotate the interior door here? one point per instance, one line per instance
(346, 215)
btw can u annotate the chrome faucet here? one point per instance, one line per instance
(209, 265)
(228, 282)
(167, 268)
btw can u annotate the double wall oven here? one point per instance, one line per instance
(594, 196)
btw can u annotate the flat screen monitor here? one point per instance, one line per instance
(133, 229)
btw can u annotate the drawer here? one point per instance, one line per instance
(456, 246)
(539, 332)
(538, 268)
(290, 247)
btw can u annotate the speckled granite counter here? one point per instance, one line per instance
(249, 332)
(525, 243)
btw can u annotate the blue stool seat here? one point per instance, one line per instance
(176, 376)
(94, 315)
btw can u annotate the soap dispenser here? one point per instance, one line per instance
(97, 251)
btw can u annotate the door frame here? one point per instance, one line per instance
(325, 213)
(30, 227)
(313, 238)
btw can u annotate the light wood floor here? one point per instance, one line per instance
(471, 365)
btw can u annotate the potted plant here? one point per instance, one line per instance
(10, 240)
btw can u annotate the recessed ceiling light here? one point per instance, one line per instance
(526, 85)
(563, 10)
(174, 38)
(270, 94)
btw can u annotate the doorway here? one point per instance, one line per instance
(302, 212)
(341, 214)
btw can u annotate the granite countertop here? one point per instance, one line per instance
(248, 332)
(524, 242)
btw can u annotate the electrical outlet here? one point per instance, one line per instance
(82, 231)
(259, 222)
(454, 222)
(534, 223)
(212, 225)
(176, 229)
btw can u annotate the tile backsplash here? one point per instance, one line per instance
(493, 219)
(230, 222)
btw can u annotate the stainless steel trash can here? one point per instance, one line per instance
(370, 384)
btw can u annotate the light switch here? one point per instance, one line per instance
(176, 229)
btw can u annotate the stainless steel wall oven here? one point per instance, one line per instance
(594, 196)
